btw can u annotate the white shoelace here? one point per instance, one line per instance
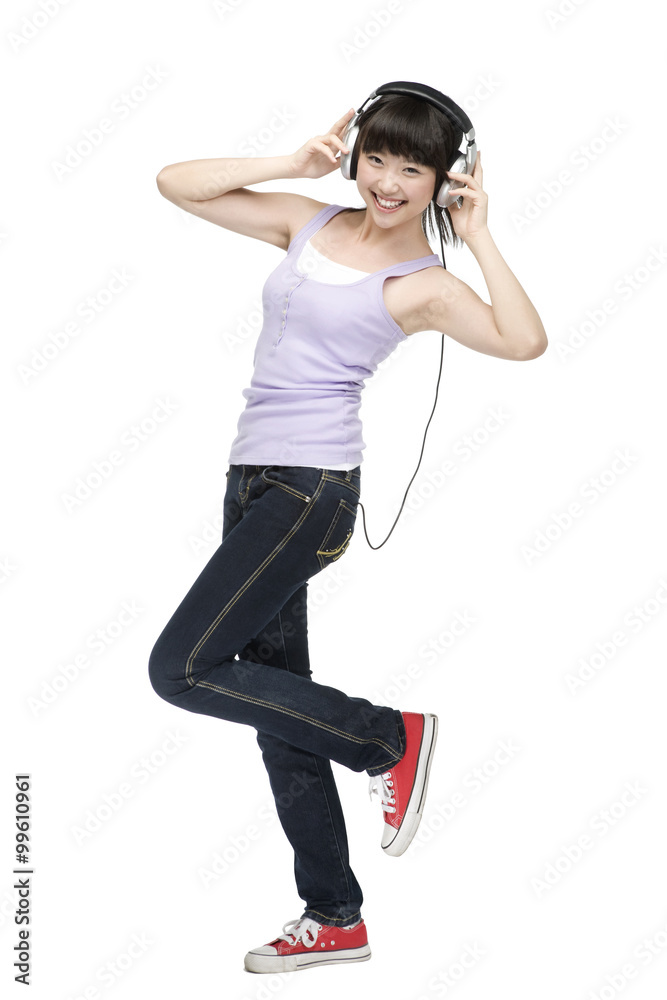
(299, 929)
(383, 786)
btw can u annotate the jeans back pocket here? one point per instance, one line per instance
(338, 534)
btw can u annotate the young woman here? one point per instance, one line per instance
(353, 284)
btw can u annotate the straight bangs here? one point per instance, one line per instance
(406, 127)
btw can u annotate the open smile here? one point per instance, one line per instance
(387, 206)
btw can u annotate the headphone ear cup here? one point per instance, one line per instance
(446, 195)
(349, 140)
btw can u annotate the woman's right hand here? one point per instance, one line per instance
(317, 157)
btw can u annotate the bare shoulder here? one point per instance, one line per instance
(302, 211)
(271, 216)
(433, 285)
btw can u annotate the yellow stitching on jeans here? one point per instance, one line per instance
(247, 490)
(288, 711)
(336, 553)
(340, 549)
(251, 579)
(284, 486)
(330, 921)
(288, 489)
(342, 482)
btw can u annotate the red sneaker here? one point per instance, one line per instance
(305, 943)
(402, 789)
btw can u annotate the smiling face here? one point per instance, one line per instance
(398, 134)
(394, 179)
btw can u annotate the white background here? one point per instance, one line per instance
(488, 872)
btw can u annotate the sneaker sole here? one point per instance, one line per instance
(413, 813)
(294, 963)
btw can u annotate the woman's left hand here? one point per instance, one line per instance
(470, 219)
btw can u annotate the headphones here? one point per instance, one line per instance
(462, 162)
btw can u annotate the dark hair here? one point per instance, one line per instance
(413, 128)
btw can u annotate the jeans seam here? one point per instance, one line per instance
(330, 921)
(288, 489)
(284, 486)
(247, 491)
(238, 489)
(291, 712)
(282, 639)
(251, 579)
(333, 825)
(341, 482)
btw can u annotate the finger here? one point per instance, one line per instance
(454, 173)
(463, 193)
(326, 150)
(341, 144)
(342, 122)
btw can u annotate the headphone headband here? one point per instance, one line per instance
(434, 97)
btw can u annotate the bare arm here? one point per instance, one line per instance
(508, 328)
(515, 317)
(215, 189)
(201, 180)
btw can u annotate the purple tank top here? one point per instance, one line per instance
(317, 346)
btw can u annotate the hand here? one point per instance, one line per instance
(317, 157)
(469, 220)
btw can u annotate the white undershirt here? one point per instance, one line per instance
(315, 265)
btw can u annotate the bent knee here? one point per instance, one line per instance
(167, 678)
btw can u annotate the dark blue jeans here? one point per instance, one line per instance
(237, 648)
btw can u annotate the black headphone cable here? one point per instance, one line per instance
(442, 351)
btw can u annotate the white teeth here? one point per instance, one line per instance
(387, 204)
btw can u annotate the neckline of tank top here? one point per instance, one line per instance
(309, 229)
(328, 260)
